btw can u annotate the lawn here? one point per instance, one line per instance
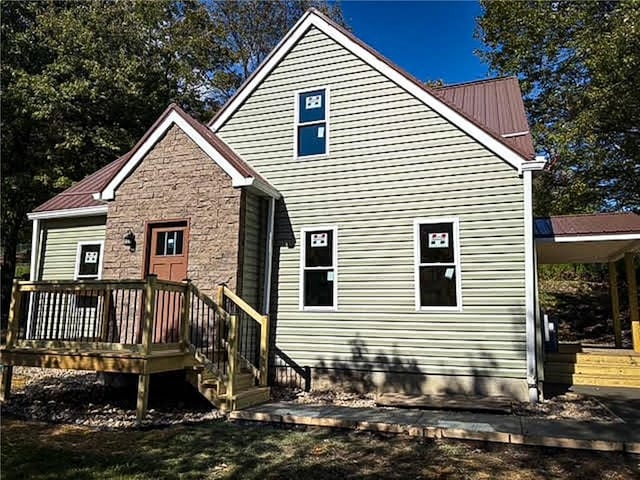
(225, 450)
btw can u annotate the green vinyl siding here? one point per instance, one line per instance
(254, 250)
(60, 244)
(392, 160)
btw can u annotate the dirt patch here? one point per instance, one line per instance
(568, 406)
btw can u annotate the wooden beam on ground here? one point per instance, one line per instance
(632, 285)
(5, 386)
(143, 396)
(615, 304)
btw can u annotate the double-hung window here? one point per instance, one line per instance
(318, 268)
(437, 264)
(311, 123)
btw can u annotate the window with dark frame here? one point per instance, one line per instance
(311, 123)
(437, 265)
(88, 269)
(319, 269)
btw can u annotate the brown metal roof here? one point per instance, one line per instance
(80, 195)
(585, 225)
(496, 103)
(519, 146)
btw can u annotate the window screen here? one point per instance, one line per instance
(311, 123)
(319, 269)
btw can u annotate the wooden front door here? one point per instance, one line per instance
(167, 257)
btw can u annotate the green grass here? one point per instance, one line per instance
(231, 451)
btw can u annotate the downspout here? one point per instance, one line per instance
(268, 260)
(529, 276)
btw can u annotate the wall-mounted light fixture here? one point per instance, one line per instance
(130, 241)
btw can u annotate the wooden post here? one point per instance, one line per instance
(14, 314)
(264, 350)
(143, 396)
(5, 386)
(185, 327)
(106, 314)
(615, 304)
(233, 356)
(220, 297)
(149, 313)
(633, 300)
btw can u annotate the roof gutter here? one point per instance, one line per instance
(259, 184)
(533, 165)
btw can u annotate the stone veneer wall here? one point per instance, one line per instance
(177, 180)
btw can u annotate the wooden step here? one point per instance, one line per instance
(592, 369)
(593, 358)
(249, 398)
(595, 380)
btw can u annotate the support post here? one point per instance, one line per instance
(220, 296)
(149, 313)
(233, 356)
(143, 396)
(264, 350)
(615, 304)
(106, 314)
(5, 386)
(633, 300)
(14, 314)
(185, 325)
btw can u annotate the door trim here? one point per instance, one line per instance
(149, 225)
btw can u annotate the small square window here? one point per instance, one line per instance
(169, 243)
(311, 134)
(89, 261)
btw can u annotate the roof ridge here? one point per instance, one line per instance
(479, 81)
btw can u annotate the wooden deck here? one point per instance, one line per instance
(576, 364)
(141, 327)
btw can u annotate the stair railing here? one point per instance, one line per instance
(249, 333)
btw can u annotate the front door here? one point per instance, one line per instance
(168, 259)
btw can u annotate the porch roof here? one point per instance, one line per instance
(595, 238)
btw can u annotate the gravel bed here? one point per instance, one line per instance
(570, 405)
(79, 397)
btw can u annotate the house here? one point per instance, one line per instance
(383, 228)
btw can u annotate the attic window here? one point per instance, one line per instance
(311, 134)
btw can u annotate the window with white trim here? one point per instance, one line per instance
(318, 272)
(88, 267)
(311, 124)
(437, 264)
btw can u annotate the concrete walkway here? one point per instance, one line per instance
(513, 429)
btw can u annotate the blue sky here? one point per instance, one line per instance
(431, 40)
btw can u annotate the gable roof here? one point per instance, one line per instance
(510, 151)
(497, 104)
(101, 185)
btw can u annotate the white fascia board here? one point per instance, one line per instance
(173, 118)
(533, 165)
(69, 213)
(258, 184)
(311, 19)
(589, 238)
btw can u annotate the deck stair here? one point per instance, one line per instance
(575, 364)
(142, 327)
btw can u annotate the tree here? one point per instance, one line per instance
(80, 82)
(251, 29)
(579, 66)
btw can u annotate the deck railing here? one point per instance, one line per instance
(141, 315)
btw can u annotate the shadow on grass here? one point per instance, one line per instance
(224, 450)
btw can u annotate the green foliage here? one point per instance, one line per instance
(579, 65)
(250, 30)
(81, 82)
